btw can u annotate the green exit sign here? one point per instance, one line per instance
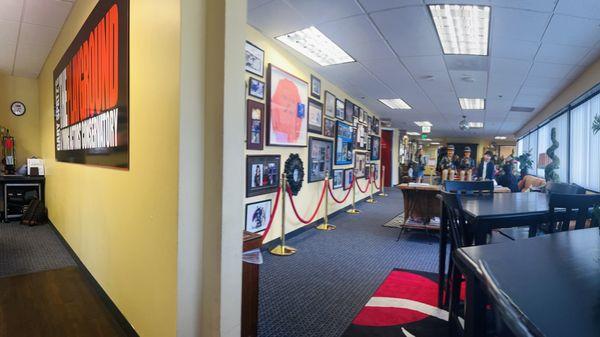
(423, 136)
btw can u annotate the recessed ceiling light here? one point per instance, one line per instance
(395, 103)
(462, 29)
(424, 123)
(426, 140)
(472, 103)
(313, 44)
(500, 137)
(410, 133)
(476, 125)
(435, 143)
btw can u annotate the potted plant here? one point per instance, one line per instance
(525, 162)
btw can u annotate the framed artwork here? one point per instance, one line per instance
(315, 87)
(375, 126)
(262, 174)
(287, 100)
(367, 171)
(361, 137)
(92, 126)
(320, 158)
(363, 116)
(339, 109)
(255, 59)
(348, 111)
(356, 111)
(256, 88)
(315, 116)
(343, 144)
(329, 104)
(348, 176)
(258, 215)
(338, 179)
(328, 127)
(369, 123)
(360, 162)
(255, 125)
(375, 147)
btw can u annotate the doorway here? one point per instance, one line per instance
(387, 137)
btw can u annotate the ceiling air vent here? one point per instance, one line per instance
(522, 109)
(386, 123)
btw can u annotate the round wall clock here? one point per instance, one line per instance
(294, 173)
(18, 108)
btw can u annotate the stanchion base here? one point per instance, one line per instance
(325, 227)
(353, 211)
(371, 201)
(283, 250)
(383, 194)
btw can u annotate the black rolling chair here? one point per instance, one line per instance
(510, 320)
(564, 188)
(469, 187)
(564, 208)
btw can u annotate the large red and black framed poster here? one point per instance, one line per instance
(91, 90)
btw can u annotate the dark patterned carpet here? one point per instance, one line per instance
(25, 249)
(319, 290)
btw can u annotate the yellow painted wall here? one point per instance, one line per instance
(308, 197)
(123, 223)
(26, 128)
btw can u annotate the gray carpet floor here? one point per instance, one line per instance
(25, 249)
(318, 291)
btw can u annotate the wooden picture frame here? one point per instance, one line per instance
(255, 125)
(329, 127)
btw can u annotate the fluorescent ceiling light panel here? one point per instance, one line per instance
(395, 103)
(313, 44)
(410, 133)
(500, 137)
(472, 103)
(423, 123)
(435, 143)
(462, 29)
(476, 125)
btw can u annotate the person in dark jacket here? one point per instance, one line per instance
(507, 179)
(486, 168)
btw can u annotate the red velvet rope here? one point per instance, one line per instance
(366, 188)
(344, 199)
(312, 217)
(272, 214)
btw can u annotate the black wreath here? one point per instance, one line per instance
(292, 164)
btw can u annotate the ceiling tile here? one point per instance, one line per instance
(30, 59)
(7, 57)
(9, 32)
(51, 13)
(591, 57)
(377, 5)
(252, 4)
(518, 24)
(556, 53)
(276, 18)
(536, 5)
(470, 84)
(368, 50)
(420, 66)
(352, 30)
(581, 8)
(511, 48)
(568, 30)
(11, 10)
(575, 72)
(550, 70)
(37, 35)
(315, 11)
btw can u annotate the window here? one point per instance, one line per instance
(585, 146)
(560, 124)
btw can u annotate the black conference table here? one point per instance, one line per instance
(554, 279)
(498, 210)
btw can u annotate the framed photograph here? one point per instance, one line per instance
(329, 104)
(375, 147)
(262, 174)
(339, 109)
(348, 111)
(255, 125)
(255, 59)
(320, 158)
(315, 87)
(343, 144)
(363, 116)
(287, 100)
(361, 137)
(375, 126)
(348, 176)
(328, 127)
(360, 162)
(356, 111)
(315, 116)
(338, 179)
(369, 123)
(258, 215)
(256, 88)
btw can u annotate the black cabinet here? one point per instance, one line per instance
(18, 191)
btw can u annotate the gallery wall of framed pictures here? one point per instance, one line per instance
(290, 109)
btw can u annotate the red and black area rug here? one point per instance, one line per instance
(404, 305)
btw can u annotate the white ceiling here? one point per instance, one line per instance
(28, 29)
(537, 47)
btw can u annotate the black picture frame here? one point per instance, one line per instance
(255, 59)
(360, 162)
(348, 111)
(315, 110)
(262, 174)
(344, 143)
(255, 125)
(356, 111)
(251, 207)
(375, 147)
(315, 87)
(320, 158)
(348, 177)
(375, 125)
(361, 137)
(337, 178)
(339, 109)
(329, 127)
(256, 88)
(329, 104)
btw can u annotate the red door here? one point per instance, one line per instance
(387, 137)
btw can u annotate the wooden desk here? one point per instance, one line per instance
(420, 202)
(250, 273)
(554, 279)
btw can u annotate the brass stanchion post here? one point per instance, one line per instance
(353, 210)
(325, 226)
(282, 249)
(371, 181)
(383, 194)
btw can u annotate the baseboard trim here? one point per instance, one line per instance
(110, 305)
